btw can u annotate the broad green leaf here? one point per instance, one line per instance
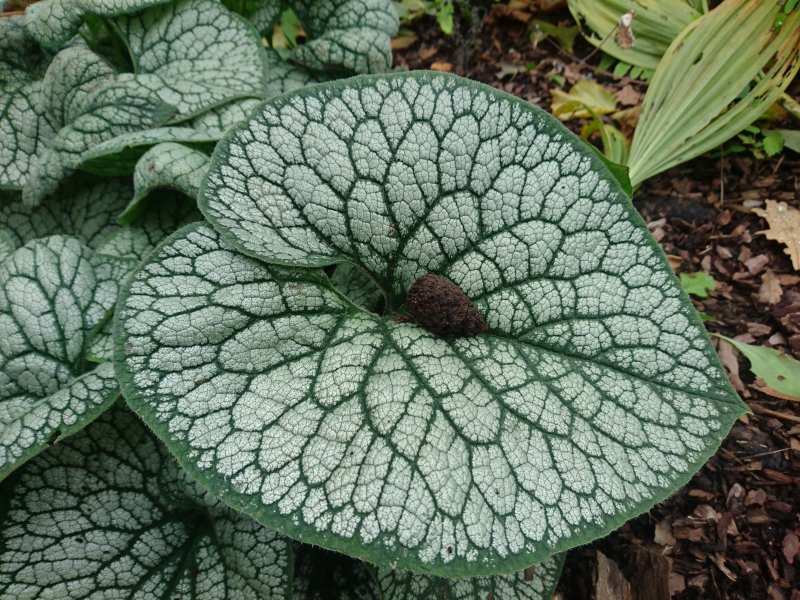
(594, 393)
(54, 22)
(354, 35)
(148, 225)
(110, 514)
(88, 104)
(565, 36)
(54, 294)
(695, 101)
(791, 139)
(779, 371)
(23, 122)
(85, 208)
(773, 142)
(537, 582)
(172, 166)
(698, 284)
(656, 24)
(195, 54)
(444, 16)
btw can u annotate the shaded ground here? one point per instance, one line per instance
(733, 532)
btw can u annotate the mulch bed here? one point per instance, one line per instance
(734, 531)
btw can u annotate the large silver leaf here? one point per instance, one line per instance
(54, 295)
(375, 438)
(195, 54)
(110, 514)
(594, 393)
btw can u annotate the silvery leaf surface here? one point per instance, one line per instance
(537, 582)
(20, 55)
(23, 129)
(593, 394)
(23, 122)
(195, 54)
(88, 104)
(54, 295)
(223, 117)
(54, 22)
(265, 16)
(101, 346)
(282, 77)
(110, 514)
(354, 35)
(119, 155)
(148, 225)
(167, 165)
(85, 208)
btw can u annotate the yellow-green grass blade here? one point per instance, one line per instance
(695, 99)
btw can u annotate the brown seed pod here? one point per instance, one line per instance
(439, 305)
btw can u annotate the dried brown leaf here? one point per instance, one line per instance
(442, 66)
(784, 227)
(791, 547)
(771, 290)
(404, 41)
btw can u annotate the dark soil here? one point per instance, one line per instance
(733, 531)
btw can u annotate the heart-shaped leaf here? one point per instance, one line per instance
(354, 35)
(195, 54)
(109, 514)
(54, 295)
(537, 582)
(83, 207)
(592, 395)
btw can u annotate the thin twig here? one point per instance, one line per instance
(757, 408)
